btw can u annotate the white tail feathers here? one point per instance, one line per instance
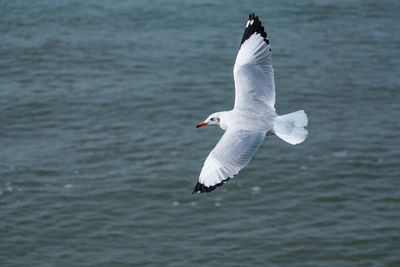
(290, 127)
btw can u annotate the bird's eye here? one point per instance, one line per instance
(212, 119)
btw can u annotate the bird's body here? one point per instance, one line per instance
(253, 116)
(238, 118)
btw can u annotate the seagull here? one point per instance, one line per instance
(253, 116)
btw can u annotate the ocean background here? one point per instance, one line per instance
(99, 152)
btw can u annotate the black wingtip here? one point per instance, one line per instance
(255, 27)
(201, 188)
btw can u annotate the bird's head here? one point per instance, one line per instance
(213, 119)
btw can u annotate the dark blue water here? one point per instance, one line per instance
(99, 151)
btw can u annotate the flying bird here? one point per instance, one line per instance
(253, 116)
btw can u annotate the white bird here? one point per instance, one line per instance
(253, 116)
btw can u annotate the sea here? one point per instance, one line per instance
(99, 153)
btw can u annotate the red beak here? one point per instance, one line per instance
(201, 124)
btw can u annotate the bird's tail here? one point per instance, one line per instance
(290, 127)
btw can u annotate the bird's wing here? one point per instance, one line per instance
(253, 72)
(232, 153)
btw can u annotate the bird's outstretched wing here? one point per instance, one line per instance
(253, 72)
(232, 153)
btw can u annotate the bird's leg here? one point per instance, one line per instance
(270, 132)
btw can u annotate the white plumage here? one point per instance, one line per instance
(254, 75)
(253, 115)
